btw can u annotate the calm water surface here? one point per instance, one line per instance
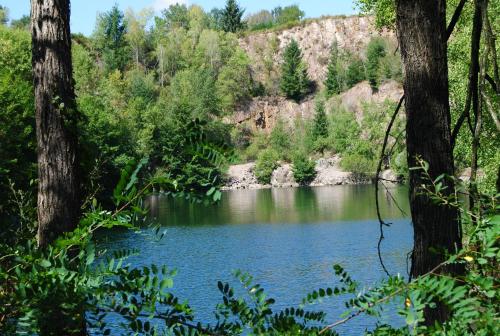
(288, 239)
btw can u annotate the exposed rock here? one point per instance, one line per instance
(283, 177)
(261, 113)
(464, 175)
(242, 177)
(389, 176)
(328, 173)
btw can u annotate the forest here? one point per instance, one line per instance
(91, 126)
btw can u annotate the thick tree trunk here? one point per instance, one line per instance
(421, 26)
(56, 119)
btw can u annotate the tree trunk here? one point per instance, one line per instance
(421, 26)
(56, 119)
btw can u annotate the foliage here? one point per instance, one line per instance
(279, 139)
(332, 82)
(320, 121)
(231, 20)
(355, 72)
(303, 168)
(384, 11)
(4, 15)
(267, 162)
(175, 16)
(110, 39)
(294, 79)
(235, 83)
(374, 52)
(288, 14)
(23, 23)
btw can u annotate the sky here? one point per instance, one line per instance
(83, 12)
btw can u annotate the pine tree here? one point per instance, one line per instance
(374, 52)
(232, 17)
(332, 82)
(294, 79)
(320, 123)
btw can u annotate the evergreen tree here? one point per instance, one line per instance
(232, 17)
(374, 52)
(4, 15)
(332, 82)
(320, 123)
(110, 39)
(355, 72)
(294, 79)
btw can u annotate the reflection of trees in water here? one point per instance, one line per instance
(293, 205)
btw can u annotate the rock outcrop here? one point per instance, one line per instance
(261, 113)
(328, 173)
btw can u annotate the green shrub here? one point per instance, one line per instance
(267, 162)
(303, 168)
(375, 51)
(358, 164)
(280, 140)
(355, 72)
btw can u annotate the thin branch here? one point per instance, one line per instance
(491, 110)
(472, 89)
(490, 40)
(454, 18)
(381, 300)
(492, 83)
(382, 223)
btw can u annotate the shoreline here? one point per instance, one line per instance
(328, 173)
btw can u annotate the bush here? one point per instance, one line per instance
(375, 51)
(358, 164)
(267, 162)
(303, 169)
(280, 140)
(295, 82)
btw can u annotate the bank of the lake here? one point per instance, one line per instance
(328, 173)
(287, 238)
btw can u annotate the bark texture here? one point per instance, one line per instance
(421, 26)
(56, 119)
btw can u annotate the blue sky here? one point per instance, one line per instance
(84, 11)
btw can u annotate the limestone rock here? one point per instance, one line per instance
(283, 177)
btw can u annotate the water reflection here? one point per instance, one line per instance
(292, 205)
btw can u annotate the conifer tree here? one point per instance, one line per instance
(332, 82)
(374, 52)
(232, 17)
(320, 123)
(294, 80)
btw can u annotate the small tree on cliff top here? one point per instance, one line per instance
(232, 17)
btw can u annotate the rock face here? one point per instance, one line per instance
(283, 177)
(315, 38)
(261, 113)
(328, 172)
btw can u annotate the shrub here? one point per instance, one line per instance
(280, 140)
(303, 168)
(267, 162)
(358, 164)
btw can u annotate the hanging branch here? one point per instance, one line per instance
(377, 176)
(454, 18)
(472, 91)
(478, 122)
(490, 40)
(382, 223)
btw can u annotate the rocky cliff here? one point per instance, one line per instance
(315, 39)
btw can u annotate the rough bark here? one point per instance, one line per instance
(56, 119)
(422, 36)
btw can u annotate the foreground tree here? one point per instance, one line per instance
(56, 119)
(422, 36)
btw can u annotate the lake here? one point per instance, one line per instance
(288, 239)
